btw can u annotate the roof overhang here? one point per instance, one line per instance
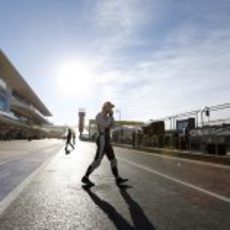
(9, 121)
(12, 78)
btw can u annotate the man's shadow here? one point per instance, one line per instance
(139, 219)
(109, 210)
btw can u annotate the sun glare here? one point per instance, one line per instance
(74, 78)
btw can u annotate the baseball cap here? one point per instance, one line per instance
(108, 104)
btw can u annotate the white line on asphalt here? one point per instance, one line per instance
(12, 158)
(4, 204)
(194, 161)
(220, 197)
(9, 160)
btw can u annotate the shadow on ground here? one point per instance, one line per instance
(139, 218)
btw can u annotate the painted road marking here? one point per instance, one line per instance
(9, 160)
(194, 161)
(4, 204)
(215, 195)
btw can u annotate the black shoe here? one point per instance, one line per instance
(67, 151)
(87, 181)
(120, 180)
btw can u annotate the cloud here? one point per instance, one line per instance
(118, 22)
(187, 74)
(118, 17)
(188, 70)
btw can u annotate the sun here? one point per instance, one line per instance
(74, 78)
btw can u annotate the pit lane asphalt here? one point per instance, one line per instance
(162, 193)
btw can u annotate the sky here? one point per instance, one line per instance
(151, 58)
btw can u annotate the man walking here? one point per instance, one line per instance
(68, 141)
(104, 121)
